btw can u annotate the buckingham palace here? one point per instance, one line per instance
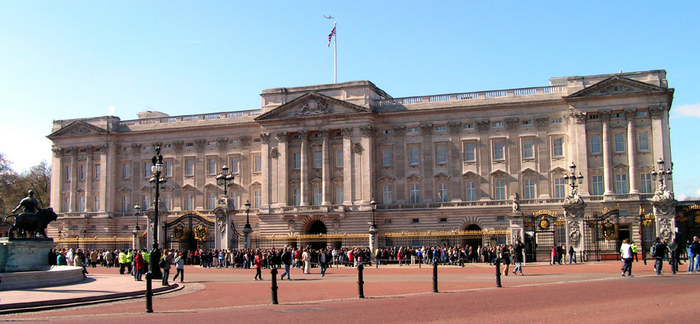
(583, 161)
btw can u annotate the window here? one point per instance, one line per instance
(234, 198)
(339, 159)
(66, 204)
(619, 143)
(387, 221)
(189, 201)
(443, 220)
(81, 204)
(146, 169)
(559, 187)
(339, 198)
(257, 198)
(126, 206)
(81, 170)
(558, 147)
(597, 185)
(387, 196)
(318, 159)
(189, 168)
(469, 126)
(471, 191)
(642, 114)
(211, 200)
(593, 116)
(527, 122)
(442, 192)
(257, 163)
(469, 152)
(96, 203)
(596, 144)
(211, 166)
(441, 153)
(643, 142)
(415, 193)
(126, 170)
(66, 170)
(97, 172)
(234, 165)
(621, 183)
(618, 115)
(499, 190)
(497, 124)
(386, 157)
(386, 132)
(413, 130)
(498, 154)
(413, 155)
(296, 197)
(415, 220)
(318, 195)
(297, 161)
(528, 151)
(645, 183)
(529, 189)
(168, 168)
(440, 128)
(557, 121)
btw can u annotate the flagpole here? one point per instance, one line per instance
(335, 54)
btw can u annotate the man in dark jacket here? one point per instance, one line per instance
(660, 250)
(287, 261)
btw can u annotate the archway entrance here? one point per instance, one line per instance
(317, 227)
(473, 241)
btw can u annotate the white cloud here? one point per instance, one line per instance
(688, 110)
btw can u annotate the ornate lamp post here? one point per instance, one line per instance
(224, 178)
(661, 175)
(574, 208)
(247, 229)
(373, 228)
(664, 203)
(154, 270)
(136, 230)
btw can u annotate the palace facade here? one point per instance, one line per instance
(474, 167)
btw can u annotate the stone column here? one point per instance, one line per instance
(265, 169)
(88, 179)
(58, 179)
(282, 169)
(400, 163)
(74, 180)
(326, 165)
(455, 161)
(348, 194)
(607, 159)
(426, 163)
(580, 148)
(366, 152)
(631, 152)
(516, 226)
(304, 184)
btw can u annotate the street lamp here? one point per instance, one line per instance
(661, 175)
(154, 270)
(224, 178)
(136, 230)
(373, 203)
(573, 178)
(247, 229)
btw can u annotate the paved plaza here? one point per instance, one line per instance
(581, 293)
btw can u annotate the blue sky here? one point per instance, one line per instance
(71, 59)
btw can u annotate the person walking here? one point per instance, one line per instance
(659, 252)
(306, 258)
(257, 263)
(287, 262)
(505, 258)
(165, 264)
(572, 254)
(518, 257)
(179, 267)
(322, 261)
(627, 258)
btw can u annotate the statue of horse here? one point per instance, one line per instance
(33, 224)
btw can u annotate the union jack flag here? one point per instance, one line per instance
(331, 36)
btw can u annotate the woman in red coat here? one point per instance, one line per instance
(139, 266)
(257, 262)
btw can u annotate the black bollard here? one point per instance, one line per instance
(435, 276)
(498, 272)
(360, 282)
(149, 292)
(273, 275)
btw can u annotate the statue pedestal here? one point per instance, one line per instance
(24, 255)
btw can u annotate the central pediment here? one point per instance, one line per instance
(77, 128)
(617, 85)
(313, 105)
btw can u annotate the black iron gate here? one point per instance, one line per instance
(544, 230)
(189, 232)
(603, 227)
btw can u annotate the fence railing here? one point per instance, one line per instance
(472, 95)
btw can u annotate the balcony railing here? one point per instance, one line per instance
(191, 118)
(483, 95)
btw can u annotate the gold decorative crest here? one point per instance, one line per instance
(200, 233)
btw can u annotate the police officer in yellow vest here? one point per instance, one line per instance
(122, 261)
(129, 261)
(634, 251)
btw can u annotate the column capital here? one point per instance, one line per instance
(245, 140)
(57, 151)
(200, 143)
(512, 123)
(426, 129)
(656, 112)
(483, 125)
(346, 132)
(265, 137)
(178, 145)
(222, 142)
(454, 127)
(400, 130)
(367, 131)
(541, 122)
(580, 117)
(282, 137)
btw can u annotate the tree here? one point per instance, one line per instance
(14, 187)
